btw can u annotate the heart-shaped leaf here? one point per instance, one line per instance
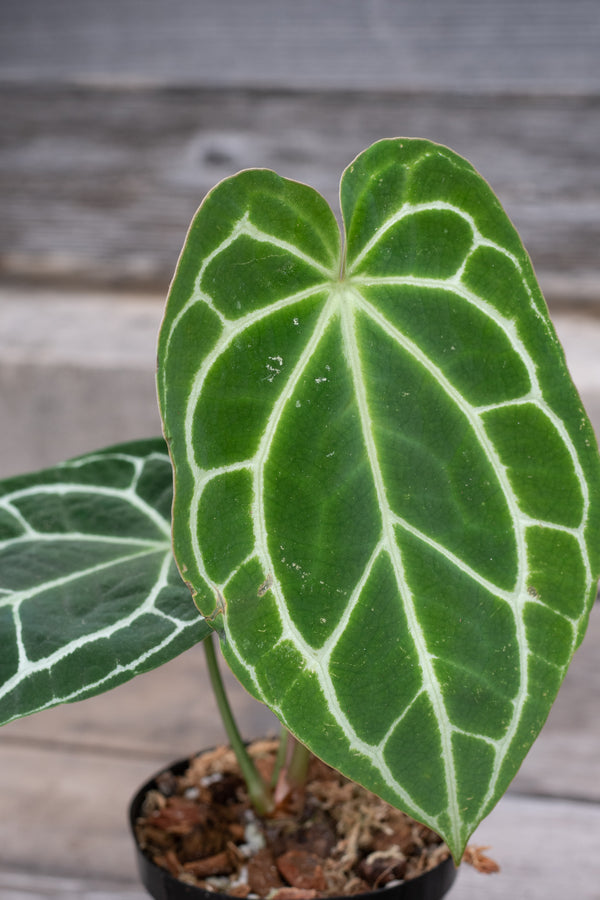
(89, 591)
(386, 488)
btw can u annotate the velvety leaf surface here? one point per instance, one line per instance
(386, 491)
(89, 591)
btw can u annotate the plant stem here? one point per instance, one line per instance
(281, 754)
(291, 777)
(299, 762)
(259, 792)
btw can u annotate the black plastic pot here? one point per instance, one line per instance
(161, 885)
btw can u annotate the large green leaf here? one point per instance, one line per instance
(89, 592)
(386, 488)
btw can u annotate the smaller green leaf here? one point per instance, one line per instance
(89, 592)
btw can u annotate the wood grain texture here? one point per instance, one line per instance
(116, 118)
(99, 185)
(28, 886)
(368, 44)
(546, 849)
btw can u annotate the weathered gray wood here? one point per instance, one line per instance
(65, 814)
(76, 374)
(116, 118)
(66, 775)
(547, 850)
(28, 886)
(98, 186)
(381, 44)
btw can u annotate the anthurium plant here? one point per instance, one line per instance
(386, 490)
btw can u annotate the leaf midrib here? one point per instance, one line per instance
(430, 680)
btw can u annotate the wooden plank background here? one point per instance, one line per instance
(457, 45)
(116, 117)
(98, 185)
